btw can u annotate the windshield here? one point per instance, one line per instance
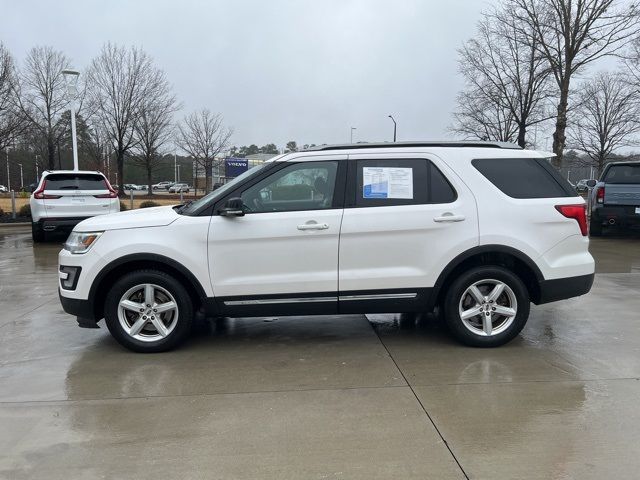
(193, 207)
(623, 174)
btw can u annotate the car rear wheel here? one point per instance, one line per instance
(148, 311)
(37, 233)
(486, 307)
(595, 228)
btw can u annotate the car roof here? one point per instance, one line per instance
(436, 143)
(88, 172)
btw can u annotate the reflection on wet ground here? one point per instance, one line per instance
(321, 397)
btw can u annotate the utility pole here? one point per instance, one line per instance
(21, 177)
(8, 176)
(71, 77)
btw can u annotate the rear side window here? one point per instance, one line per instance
(629, 174)
(388, 182)
(524, 177)
(70, 181)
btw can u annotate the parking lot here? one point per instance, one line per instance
(364, 397)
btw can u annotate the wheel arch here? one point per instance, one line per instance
(499, 255)
(138, 261)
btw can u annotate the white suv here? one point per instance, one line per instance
(477, 229)
(64, 198)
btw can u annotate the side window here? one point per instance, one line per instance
(390, 182)
(300, 186)
(523, 177)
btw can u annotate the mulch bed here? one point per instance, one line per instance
(6, 218)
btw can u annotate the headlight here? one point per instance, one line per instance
(81, 242)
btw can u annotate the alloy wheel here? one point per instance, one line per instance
(148, 312)
(488, 307)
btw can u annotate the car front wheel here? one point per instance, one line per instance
(37, 233)
(148, 311)
(486, 306)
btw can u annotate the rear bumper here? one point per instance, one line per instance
(562, 288)
(623, 215)
(57, 224)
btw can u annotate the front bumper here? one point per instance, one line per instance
(562, 288)
(82, 309)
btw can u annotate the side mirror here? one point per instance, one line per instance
(591, 183)
(233, 208)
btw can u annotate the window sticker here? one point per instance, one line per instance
(387, 182)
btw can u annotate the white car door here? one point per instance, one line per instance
(406, 217)
(282, 255)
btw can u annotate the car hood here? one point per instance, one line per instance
(142, 217)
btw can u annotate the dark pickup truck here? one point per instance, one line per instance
(615, 198)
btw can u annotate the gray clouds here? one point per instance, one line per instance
(278, 70)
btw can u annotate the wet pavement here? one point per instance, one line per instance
(350, 397)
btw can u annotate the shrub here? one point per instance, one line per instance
(149, 203)
(1, 212)
(25, 210)
(123, 207)
(24, 194)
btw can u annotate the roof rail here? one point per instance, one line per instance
(462, 143)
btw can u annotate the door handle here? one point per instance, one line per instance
(449, 217)
(313, 226)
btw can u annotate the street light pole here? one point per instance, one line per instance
(175, 168)
(8, 176)
(21, 178)
(71, 77)
(352, 129)
(395, 125)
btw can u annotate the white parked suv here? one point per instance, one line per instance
(477, 229)
(64, 198)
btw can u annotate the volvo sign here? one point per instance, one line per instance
(235, 166)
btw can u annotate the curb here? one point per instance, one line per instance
(14, 225)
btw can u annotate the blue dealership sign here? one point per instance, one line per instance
(235, 166)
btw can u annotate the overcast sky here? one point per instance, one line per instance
(278, 70)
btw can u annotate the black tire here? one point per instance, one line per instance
(37, 234)
(458, 288)
(595, 228)
(165, 281)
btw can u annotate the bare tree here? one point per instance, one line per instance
(119, 81)
(203, 136)
(41, 96)
(11, 122)
(479, 117)
(506, 73)
(609, 118)
(154, 128)
(571, 34)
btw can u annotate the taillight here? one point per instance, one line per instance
(40, 195)
(112, 193)
(577, 212)
(600, 195)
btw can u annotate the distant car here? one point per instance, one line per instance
(141, 187)
(615, 198)
(130, 186)
(162, 186)
(582, 186)
(3, 189)
(179, 187)
(65, 197)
